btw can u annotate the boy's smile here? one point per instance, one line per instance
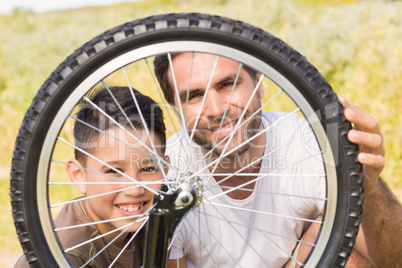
(131, 209)
(125, 160)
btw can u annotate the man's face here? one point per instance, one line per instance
(221, 104)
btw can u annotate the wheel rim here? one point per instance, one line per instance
(124, 59)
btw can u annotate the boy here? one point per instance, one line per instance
(104, 154)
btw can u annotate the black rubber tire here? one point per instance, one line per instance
(164, 28)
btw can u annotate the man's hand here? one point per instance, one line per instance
(367, 135)
(382, 212)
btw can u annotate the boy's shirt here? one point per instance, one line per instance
(76, 214)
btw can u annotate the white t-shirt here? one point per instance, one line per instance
(291, 187)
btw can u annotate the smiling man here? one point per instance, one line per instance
(215, 106)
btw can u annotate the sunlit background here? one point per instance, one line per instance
(356, 45)
(38, 6)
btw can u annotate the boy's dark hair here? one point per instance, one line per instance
(161, 68)
(86, 137)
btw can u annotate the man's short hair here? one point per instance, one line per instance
(161, 68)
(87, 134)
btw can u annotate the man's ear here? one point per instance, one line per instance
(76, 174)
(176, 113)
(261, 91)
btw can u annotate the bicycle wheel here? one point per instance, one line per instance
(258, 207)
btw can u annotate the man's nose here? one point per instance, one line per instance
(214, 105)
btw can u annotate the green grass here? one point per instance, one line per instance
(357, 47)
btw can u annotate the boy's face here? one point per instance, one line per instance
(124, 199)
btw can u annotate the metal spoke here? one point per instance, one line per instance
(109, 166)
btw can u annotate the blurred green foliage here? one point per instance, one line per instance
(336, 2)
(356, 46)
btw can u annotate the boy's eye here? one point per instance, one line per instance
(112, 171)
(149, 169)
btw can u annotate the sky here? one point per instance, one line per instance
(7, 6)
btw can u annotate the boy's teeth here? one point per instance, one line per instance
(130, 208)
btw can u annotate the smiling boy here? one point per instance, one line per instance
(112, 149)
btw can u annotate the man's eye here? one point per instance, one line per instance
(228, 84)
(194, 96)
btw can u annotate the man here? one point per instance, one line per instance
(213, 119)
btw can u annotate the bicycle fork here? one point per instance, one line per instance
(170, 208)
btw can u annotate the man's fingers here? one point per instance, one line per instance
(369, 140)
(361, 120)
(356, 116)
(343, 101)
(372, 160)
